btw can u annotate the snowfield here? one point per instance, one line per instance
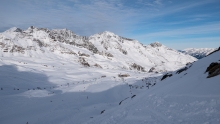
(47, 81)
(188, 97)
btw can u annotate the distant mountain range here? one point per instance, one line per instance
(104, 50)
(198, 52)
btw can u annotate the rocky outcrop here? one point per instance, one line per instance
(40, 44)
(123, 51)
(156, 44)
(83, 54)
(165, 76)
(83, 62)
(98, 66)
(152, 69)
(213, 69)
(18, 49)
(181, 70)
(123, 75)
(68, 37)
(137, 67)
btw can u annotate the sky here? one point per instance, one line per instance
(177, 24)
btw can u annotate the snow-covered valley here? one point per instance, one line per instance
(55, 76)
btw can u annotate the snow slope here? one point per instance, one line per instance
(198, 52)
(188, 97)
(49, 91)
(30, 94)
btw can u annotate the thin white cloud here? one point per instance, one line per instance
(94, 16)
(202, 29)
(158, 2)
(207, 42)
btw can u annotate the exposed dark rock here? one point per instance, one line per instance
(123, 75)
(18, 49)
(41, 44)
(181, 70)
(105, 54)
(17, 30)
(211, 66)
(156, 44)
(90, 47)
(213, 69)
(123, 100)
(138, 67)
(31, 27)
(152, 69)
(102, 111)
(97, 65)
(44, 29)
(133, 96)
(68, 37)
(165, 76)
(83, 54)
(123, 38)
(83, 62)
(31, 48)
(2, 45)
(189, 63)
(68, 52)
(123, 51)
(108, 54)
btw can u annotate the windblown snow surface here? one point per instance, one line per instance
(44, 86)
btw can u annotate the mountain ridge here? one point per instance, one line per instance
(198, 53)
(105, 49)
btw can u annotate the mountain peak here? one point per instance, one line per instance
(107, 33)
(14, 29)
(156, 44)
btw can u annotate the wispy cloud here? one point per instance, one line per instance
(140, 19)
(203, 29)
(205, 42)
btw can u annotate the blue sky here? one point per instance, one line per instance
(177, 24)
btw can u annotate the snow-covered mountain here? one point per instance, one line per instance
(105, 50)
(56, 76)
(198, 52)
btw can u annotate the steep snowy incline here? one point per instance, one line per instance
(198, 52)
(105, 50)
(187, 96)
